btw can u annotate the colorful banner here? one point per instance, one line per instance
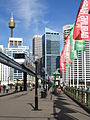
(82, 23)
(67, 49)
(67, 65)
(80, 45)
(73, 52)
(62, 62)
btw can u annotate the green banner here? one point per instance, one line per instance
(73, 52)
(80, 45)
(68, 65)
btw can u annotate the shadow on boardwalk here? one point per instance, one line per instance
(62, 111)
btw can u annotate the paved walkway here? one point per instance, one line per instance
(19, 106)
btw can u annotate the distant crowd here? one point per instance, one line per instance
(4, 88)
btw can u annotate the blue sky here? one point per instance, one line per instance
(32, 16)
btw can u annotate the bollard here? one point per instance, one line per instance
(75, 93)
(78, 94)
(87, 98)
(82, 96)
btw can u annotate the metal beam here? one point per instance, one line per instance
(4, 59)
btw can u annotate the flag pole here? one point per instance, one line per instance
(70, 77)
(73, 74)
(85, 72)
(82, 65)
(63, 77)
(77, 74)
(85, 68)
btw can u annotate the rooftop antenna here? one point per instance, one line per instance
(11, 14)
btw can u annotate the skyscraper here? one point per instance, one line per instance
(87, 55)
(80, 68)
(66, 31)
(51, 50)
(37, 46)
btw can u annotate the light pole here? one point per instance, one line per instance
(36, 86)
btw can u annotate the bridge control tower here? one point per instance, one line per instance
(11, 25)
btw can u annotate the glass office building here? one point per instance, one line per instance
(51, 50)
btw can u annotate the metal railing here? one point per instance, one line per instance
(81, 95)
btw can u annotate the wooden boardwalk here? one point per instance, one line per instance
(20, 106)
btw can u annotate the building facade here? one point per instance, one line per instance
(51, 50)
(15, 45)
(4, 70)
(79, 72)
(15, 42)
(37, 47)
(66, 31)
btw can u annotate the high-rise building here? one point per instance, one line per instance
(80, 68)
(15, 45)
(37, 46)
(51, 50)
(87, 56)
(66, 31)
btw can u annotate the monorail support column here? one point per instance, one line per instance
(25, 81)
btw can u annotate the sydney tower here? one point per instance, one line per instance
(11, 25)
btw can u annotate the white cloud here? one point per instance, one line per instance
(45, 22)
(28, 11)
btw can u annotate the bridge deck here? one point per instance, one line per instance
(19, 106)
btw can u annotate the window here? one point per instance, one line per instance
(11, 43)
(15, 43)
(19, 43)
(15, 71)
(47, 33)
(19, 55)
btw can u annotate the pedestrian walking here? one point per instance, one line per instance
(58, 90)
(47, 87)
(4, 88)
(41, 90)
(16, 88)
(7, 89)
(0, 88)
(20, 87)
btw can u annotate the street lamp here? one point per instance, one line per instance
(36, 86)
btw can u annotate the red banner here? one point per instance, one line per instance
(82, 23)
(67, 49)
(65, 54)
(62, 62)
